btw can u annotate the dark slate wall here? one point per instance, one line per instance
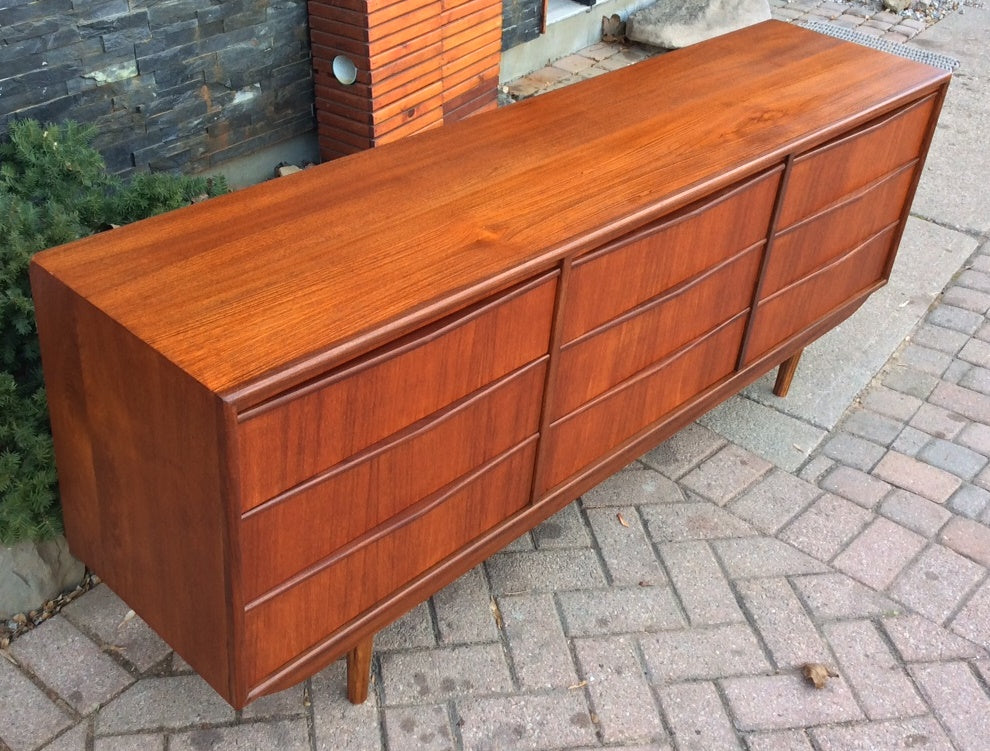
(520, 21)
(172, 84)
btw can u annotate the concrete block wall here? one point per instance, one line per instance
(176, 84)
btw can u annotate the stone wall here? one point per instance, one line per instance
(520, 21)
(173, 84)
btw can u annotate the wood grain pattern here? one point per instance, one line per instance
(621, 276)
(287, 300)
(300, 434)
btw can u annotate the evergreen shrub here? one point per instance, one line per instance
(54, 188)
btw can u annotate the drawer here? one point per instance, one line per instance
(594, 432)
(622, 275)
(804, 303)
(285, 625)
(603, 358)
(815, 242)
(295, 437)
(299, 528)
(827, 174)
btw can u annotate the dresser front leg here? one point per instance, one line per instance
(359, 670)
(785, 373)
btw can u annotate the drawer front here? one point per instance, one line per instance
(802, 304)
(287, 624)
(814, 243)
(595, 363)
(594, 432)
(827, 174)
(304, 434)
(280, 538)
(624, 274)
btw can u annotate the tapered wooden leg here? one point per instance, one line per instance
(359, 670)
(785, 373)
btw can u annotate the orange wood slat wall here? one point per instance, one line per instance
(419, 63)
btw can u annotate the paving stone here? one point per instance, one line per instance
(620, 695)
(763, 556)
(872, 426)
(339, 725)
(75, 739)
(414, 629)
(286, 703)
(624, 546)
(969, 538)
(926, 360)
(592, 612)
(684, 450)
(779, 740)
(632, 488)
(419, 728)
(970, 501)
(702, 653)
(572, 63)
(697, 718)
(290, 735)
(933, 336)
(101, 613)
(527, 723)
(908, 382)
(938, 422)
(959, 460)
(966, 402)
(170, 703)
(768, 702)
(28, 718)
(937, 582)
(150, 742)
(179, 666)
(910, 441)
(879, 553)
(816, 468)
(964, 297)
(544, 570)
(975, 436)
(957, 371)
(855, 485)
(674, 522)
(434, 675)
(463, 610)
(867, 665)
(72, 665)
(892, 403)
(973, 621)
(700, 584)
(726, 474)
(975, 378)
(782, 622)
(774, 501)
(904, 472)
(914, 512)
(853, 451)
(536, 641)
(959, 702)
(565, 529)
(969, 277)
(916, 732)
(977, 352)
(917, 639)
(830, 596)
(826, 527)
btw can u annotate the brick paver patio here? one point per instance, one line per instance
(670, 608)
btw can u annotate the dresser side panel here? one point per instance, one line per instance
(138, 449)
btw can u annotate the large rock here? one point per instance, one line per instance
(32, 573)
(678, 23)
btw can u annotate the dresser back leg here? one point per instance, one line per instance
(785, 373)
(359, 670)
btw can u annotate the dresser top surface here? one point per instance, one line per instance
(255, 291)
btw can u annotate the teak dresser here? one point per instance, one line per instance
(285, 416)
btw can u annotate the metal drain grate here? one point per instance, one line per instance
(884, 45)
